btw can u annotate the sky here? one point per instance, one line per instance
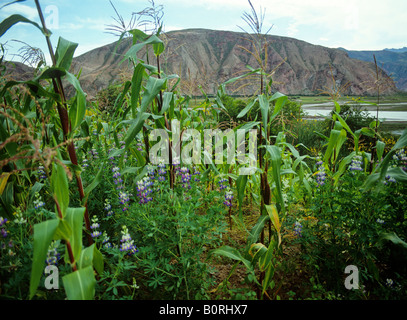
(350, 24)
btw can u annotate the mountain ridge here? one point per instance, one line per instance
(206, 58)
(392, 61)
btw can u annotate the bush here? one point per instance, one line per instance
(345, 226)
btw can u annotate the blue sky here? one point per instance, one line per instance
(352, 24)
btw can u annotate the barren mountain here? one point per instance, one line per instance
(207, 58)
(17, 71)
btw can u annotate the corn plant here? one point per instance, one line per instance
(49, 153)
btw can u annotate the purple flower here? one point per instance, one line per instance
(2, 221)
(144, 190)
(185, 177)
(401, 158)
(161, 172)
(297, 229)
(38, 203)
(108, 208)
(320, 174)
(41, 173)
(356, 164)
(389, 179)
(106, 239)
(52, 254)
(139, 145)
(196, 174)
(228, 198)
(117, 178)
(94, 154)
(3, 231)
(123, 199)
(127, 244)
(223, 183)
(85, 163)
(95, 226)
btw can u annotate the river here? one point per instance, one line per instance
(391, 113)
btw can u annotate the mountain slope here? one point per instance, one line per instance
(208, 58)
(393, 61)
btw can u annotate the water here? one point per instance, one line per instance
(388, 112)
(391, 113)
(384, 116)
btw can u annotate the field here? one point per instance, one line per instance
(149, 194)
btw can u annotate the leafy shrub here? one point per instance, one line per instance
(345, 226)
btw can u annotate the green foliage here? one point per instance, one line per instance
(81, 189)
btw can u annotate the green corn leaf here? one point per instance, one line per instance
(51, 73)
(384, 165)
(343, 165)
(158, 48)
(7, 23)
(80, 285)
(43, 235)
(397, 173)
(35, 88)
(136, 81)
(63, 231)
(60, 189)
(132, 52)
(153, 88)
(64, 53)
(253, 71)
(74, 218)
(380, 145)
(268, 278)
(266, 259)
(280, 103)
(393, 237)
(247, 108)
(167, 99)
(257, 229)
(276, 96)
(91, 256)
(264, 109)
(275, 155)
(336, 139)
(231, 253)
(78, 108)
(257, 251)
(135, 127)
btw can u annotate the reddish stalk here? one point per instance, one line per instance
(64, 117)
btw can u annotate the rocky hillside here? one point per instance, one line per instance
(207, 58)
(17, 71)
(393, 61)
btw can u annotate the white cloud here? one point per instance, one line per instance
(22, 9)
